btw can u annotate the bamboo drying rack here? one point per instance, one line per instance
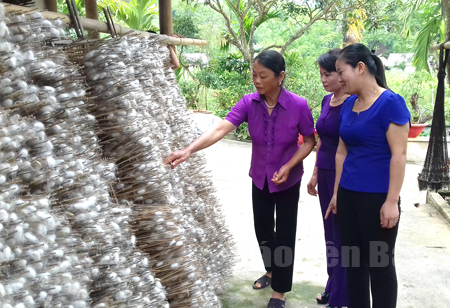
(100, 26)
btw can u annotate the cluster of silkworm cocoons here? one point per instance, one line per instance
(89, 216)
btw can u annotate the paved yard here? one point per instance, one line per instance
(423, 245)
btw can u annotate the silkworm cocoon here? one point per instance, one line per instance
(18, 235)
(120, 296)
(7, 103)
(35, 255)
(105, 259)
(41, 230)
(58, 253)
(28, 301)
(156, 290)
(30, 237)
(44, 277)
(20, 263)
(4, 215)
(15, 286)
(66, 288)
(38, 265)
(30, 272)
(64, 266)
(46, 23)
(23, 153)
(55, 289)
(79, 304)
(83, 294)
(125, 272)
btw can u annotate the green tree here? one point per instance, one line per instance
(183, 24)
(243, 18)
(434, 27)
(137, 14)
(62, 7)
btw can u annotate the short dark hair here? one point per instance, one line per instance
(273, 60)
(355, 53)
(328, 60)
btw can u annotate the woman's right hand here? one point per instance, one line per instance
(312, 186)
(177, 158)
(332, 207)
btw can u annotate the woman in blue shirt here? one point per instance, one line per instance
(370, 168)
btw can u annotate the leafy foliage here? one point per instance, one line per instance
(233, 81)
(137, 14)
(248, 21)
(183, 24)
(62, 7)
(424, 40)
(302, 78)
(428, 17)
(419, 86)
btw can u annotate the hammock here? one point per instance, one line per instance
(435, 172)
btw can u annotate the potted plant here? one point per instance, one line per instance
(418, 117)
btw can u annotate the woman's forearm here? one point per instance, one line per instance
(341, 154)
(397, 136)
(396, 177)
(319, 143)
(302, 152)
(211, 136)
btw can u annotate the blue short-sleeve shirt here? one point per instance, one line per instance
(367, 165)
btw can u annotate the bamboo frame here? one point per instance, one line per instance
(96, 25)
(438, 46)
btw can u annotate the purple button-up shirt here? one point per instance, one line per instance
(274, 137)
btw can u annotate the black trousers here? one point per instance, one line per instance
(277, 245)
(368, 249)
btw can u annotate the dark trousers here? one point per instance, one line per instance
(277, 245)
(337, 271)
(368, 249)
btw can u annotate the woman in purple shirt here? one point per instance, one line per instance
(275, 118)
(324, 174)
(370, 168)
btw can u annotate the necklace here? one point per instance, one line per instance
(362, 108)
(338, 100)
(270, 107)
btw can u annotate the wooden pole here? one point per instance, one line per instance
(100, 26)
(92, 13)
(165, 17)
(51, 5)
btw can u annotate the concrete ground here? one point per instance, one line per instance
(422, 253)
